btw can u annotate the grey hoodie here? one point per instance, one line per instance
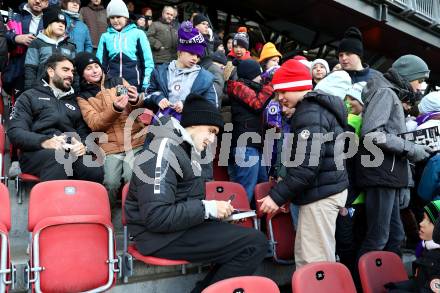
(180, 81)
(383, 114)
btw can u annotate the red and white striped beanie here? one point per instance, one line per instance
(292, 76)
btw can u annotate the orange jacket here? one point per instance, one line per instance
(100, 115)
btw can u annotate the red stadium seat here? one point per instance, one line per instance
(73, 246)
(246, 284)
(377, 268)
(279, 227)
(6, 270)
(223, 190)
(322, 277)
(131, 251)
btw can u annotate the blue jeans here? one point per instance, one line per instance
(247, 173)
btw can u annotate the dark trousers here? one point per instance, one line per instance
(234, 250)
(43, 164)
(350, 233)
(385, 229)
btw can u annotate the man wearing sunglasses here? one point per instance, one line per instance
(386, 184)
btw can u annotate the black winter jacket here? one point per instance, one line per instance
(428, 268)
(166, 189)
(248, 101)
(38, 115)
(317, 176)
(3, 47)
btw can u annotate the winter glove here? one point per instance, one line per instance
(419, 153)
(404, 198)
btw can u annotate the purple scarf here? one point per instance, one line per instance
(425, 117)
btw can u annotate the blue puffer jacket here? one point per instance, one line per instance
(203, 85)
(15, 68)
(127, 54)
(78, 32)
(429, 185)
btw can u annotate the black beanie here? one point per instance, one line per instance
(352, 42)
(52, 14)
(219, 57)
(247, 69)
(197, 110)
(199, 18)
(82, 60)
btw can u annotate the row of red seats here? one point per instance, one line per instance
(73, 247)
(376, 269)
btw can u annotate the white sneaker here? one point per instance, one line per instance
(14, 170)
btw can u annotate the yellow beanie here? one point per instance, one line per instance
(269, 51)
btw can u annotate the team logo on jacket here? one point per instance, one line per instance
(273, 110)
(435, 285)
(70, 107)
(305, 134)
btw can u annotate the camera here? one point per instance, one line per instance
(121, 90)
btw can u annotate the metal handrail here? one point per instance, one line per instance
(426, 9)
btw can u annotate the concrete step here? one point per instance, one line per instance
(170, 279)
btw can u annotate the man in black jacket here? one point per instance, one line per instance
(44, 123)
(315, 180)
(165, 207)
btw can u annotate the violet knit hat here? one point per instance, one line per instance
(190, 39)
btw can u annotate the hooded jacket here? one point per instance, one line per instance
(203, 84)
(37, 54)
(383, 113)
(166, 189)
(127, 54)
(15, 68)
(95, 17)
(38, 115)
(96, 104)
(319, 174)
(163, 40)
(78, 32)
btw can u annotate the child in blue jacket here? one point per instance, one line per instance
(124, 50)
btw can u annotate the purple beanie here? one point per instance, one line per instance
(190, 39)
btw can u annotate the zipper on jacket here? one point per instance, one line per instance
(394, 160)
(120, 54)
(138, 75)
